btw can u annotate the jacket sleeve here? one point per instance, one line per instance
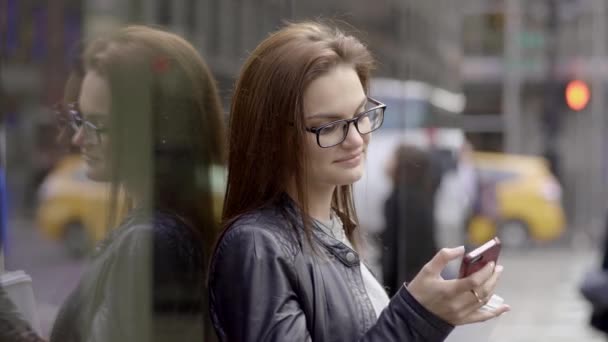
(406, 320)
(252, 291)
(125, 311)
(152, 292)
(253, 299)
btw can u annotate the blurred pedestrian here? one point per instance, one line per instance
(409, 235)
(454, 201)
(287, 265)
(595, 289)
(148, 120)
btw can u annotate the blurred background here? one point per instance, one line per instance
(506, 98)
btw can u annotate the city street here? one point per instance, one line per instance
(488, 117)
(540, 285)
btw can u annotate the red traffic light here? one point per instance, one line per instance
(577, 95)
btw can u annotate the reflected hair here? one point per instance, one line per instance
(165, 123)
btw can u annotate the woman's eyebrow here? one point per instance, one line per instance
(335, 115)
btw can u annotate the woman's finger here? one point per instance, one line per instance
(475, 280)
(485, 292)
(462, 306)
(474, 304)
(481, 315)
(474, 299)
(442, 258)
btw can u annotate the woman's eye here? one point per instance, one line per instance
(98, 123)
(329, 129)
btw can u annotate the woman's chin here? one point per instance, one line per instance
(349, 177)
(97, 175)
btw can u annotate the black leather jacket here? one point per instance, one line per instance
(267, 284)
(144, 283)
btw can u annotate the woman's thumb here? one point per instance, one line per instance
(443, 257)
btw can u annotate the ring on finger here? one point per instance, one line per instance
(476, 296)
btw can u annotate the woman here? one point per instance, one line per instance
(286, 267)
(148, 120)
(409, 234)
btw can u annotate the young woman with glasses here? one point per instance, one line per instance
(287, 266)
(148, 120)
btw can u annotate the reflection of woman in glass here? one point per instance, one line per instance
(148, 119)
(287, 266)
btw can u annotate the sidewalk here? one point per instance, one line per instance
(541, 286)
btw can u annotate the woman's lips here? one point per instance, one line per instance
(351, 161)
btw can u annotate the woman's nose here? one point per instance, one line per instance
(78, 138)
(353, 138)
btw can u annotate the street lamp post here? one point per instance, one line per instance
(598, 122)
(552, 95)
(512, 77)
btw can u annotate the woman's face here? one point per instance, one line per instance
(334, 96)
(91, 138)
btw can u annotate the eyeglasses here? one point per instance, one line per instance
(334, 133)
(69, 117)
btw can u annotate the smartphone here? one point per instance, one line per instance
(479, 257)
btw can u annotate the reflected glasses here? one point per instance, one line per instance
(69, 117)
(335, 132)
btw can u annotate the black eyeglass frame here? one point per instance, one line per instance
(70, 114)
(354, 120)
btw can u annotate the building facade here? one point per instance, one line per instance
(411, 39)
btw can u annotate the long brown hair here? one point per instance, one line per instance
(165, 124)
(266, 128)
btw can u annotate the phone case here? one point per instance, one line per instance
(478, 258)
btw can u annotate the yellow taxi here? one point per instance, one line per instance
(75, 210)
(71, 207)
(528, 200)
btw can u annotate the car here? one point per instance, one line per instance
(75, 210)
(72, 208)
(528, 200)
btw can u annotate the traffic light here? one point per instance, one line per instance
(577, 95)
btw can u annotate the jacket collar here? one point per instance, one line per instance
(342, 252)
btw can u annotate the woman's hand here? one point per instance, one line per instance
(456, 301)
